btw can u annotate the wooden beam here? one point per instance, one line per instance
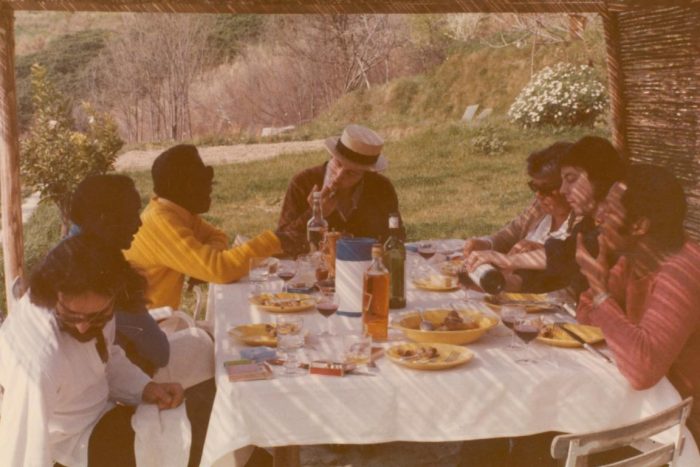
(616, 91)
(314, 6)
(11, 197)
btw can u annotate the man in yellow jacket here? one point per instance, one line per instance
(175, 241)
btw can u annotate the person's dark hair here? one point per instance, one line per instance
(97, 195)
(545, 162)
(599, 159)
(172, 169)
(179, 175)
(83, 263)
(655, 193)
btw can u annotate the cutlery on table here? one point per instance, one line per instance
(581, 341)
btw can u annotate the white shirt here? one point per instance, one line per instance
(542, 231)
(56, 388)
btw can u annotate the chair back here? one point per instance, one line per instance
(576, 448)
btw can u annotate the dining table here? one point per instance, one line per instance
(493, 395)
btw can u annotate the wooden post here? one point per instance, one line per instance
(616, 89)
(11, 197)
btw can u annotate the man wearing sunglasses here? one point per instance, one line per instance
(62, 373)
(174, 241)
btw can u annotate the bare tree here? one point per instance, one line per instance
(148, 71)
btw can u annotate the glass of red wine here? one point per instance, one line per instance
(527, 329)
(464, 280)
(427, 250)
(510, 315)
(286, 270)
(327, 305)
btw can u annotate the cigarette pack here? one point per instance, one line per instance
(328, 368)
(247, 370)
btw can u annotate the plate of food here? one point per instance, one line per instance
(437, 283)
(256, 334)
(449, 326)
(283, 302)
(530, 302)
(551, 334)
(431, 356)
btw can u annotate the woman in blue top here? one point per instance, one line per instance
(107, 207)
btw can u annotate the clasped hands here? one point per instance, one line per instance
(164, 395)
(595, 269)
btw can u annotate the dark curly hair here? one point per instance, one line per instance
(83, 263)
(545, 162)
(599, 159)
(655, 193)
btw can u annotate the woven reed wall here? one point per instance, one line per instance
(659, 57)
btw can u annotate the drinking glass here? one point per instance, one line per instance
(427, 250)
(464, 280)
(259, 269)
(286, 270)
(357, 350)
(327, 305)
(510, 315)
(527, 329)
(290, 338)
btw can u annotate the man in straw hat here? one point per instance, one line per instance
(356, 198)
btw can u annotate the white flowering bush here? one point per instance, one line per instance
(562, 95)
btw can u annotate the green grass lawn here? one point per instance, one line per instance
(446, 187)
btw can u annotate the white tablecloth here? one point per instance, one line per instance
(569, 390)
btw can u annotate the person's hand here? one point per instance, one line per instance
(328, 199)
(596, 270)
(475, 244)
(165, 395)
(477, 258)
(524, 246)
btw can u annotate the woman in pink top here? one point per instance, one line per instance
(648, 303)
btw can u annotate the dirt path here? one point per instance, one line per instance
(218, 155)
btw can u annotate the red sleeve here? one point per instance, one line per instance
(616, 290)
(644, 352)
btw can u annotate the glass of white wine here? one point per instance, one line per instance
(357, 350)
(290, 338)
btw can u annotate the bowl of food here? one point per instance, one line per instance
(449, 326)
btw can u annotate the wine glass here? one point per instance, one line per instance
(290, 338)
(327, 305)
(464, 280)
(510, 315)
(527, 328)
(286, 270)
(357, 350)
(427, 250)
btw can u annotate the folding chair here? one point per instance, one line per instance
(576, 448)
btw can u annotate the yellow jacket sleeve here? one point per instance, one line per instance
(210, 235)
(167, 241)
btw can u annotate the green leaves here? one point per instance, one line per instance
(56, 156)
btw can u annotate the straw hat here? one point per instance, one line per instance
(358, 147)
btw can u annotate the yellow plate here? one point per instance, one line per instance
(448, 356)
(559, 338)
(255, 334)
(437, 283)
(531, 302)
(283, 302)
(409, 323)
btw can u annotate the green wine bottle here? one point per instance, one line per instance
(395, 262)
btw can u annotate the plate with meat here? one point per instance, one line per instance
(283, 302)
(450, 326)
(432, 356)
(256, 334)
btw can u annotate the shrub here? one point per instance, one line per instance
(562, 95)
(487, 140)
(55, 156)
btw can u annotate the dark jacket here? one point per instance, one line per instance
(370, 217)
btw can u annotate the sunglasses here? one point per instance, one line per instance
(542, 188)
(73, 318)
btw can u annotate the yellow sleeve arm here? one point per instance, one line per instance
(176, 246)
